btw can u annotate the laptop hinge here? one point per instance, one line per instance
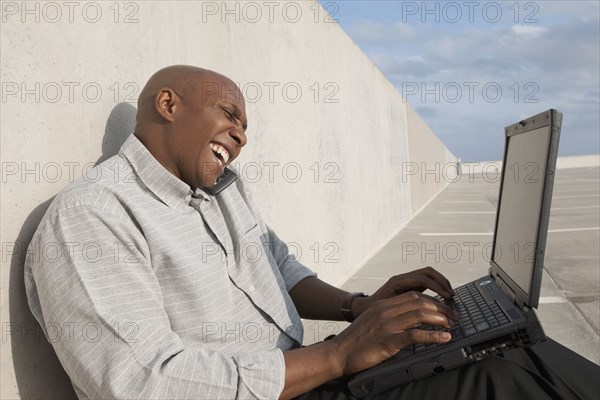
(505, 288)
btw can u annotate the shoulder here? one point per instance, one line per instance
(104, 189)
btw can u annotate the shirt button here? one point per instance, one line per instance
(251, 288)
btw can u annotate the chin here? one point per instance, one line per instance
(210, 184)
(209, 174)
(207, 182)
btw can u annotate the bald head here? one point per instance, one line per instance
(188, 82)
(193, 121)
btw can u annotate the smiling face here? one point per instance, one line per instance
(207, 131)
(203, 123)
(193, 121)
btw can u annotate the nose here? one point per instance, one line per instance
(238, 135)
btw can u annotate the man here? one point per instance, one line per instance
(153, 276)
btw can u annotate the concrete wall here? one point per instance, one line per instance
(431, 165)
(328, 135)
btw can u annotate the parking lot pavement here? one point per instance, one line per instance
(454, 234)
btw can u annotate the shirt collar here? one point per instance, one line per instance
(201, 194)
(169, 189)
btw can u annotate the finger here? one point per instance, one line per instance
(453, 313)
(414, 300)
(427, 316)
(426, 303)
(426, 282)
(434, 275)
(414, 336)
(419, 316)
(439, 278)
(444, 309)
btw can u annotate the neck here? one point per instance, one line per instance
(155, 143)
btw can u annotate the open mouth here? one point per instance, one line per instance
(220, 153)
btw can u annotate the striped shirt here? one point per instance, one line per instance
(149, 289)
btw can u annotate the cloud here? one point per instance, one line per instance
(528, 31)
(553, 63)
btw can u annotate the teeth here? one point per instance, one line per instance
(222, 151)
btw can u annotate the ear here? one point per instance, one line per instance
(166, 103)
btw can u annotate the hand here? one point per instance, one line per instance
(389, 325)
(418, 280)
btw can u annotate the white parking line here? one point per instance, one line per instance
(456, 233)
(466, 212)
(585, 189)
(552, 300)
(573, 208)
(575, 197)
(466, 201)
(493, 212)
(595, 228)
(372, 278)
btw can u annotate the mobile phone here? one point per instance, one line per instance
(226, 179)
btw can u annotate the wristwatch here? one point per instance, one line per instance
(346, 309)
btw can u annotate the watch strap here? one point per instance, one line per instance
(346, 309)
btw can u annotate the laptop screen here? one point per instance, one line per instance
(520, 205)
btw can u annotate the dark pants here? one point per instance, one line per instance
(545, 371)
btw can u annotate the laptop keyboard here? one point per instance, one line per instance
(475, 316)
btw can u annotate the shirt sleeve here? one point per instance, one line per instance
(91, 285)
(291, 269)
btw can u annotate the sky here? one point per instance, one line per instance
(470, 68)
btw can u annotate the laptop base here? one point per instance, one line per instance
(399, 371)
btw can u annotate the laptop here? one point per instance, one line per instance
(497, 310)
